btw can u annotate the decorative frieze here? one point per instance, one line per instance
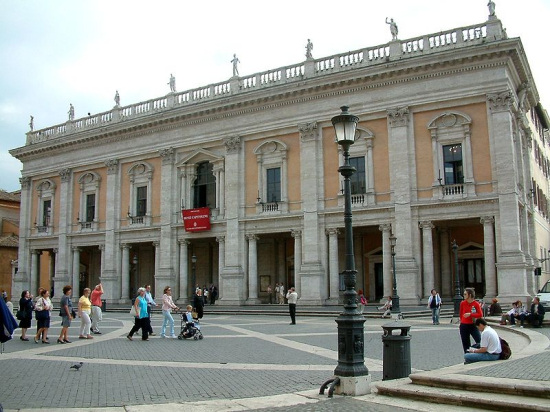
(398, 117)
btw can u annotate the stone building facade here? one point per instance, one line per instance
(452, 145)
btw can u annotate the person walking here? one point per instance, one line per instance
(269, 294)
(292, 298)
(84, 311)
(489, 347)
(198, 304)
(142, 319)
(167, 306)
(43, 309)
(97, 315)
(470, 310)
(25, 313)
(66, 312)
(150, 303)
(386, 307)
(281, 294)
(361, 301)
(434, 303)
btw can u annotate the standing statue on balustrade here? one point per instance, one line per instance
(71, 112)
(31, 123)
(393, 28)
(172, 83)
(491, 6)
(309, 48)
(117, 99)
(235, 61)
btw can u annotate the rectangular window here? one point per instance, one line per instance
(46, 212)
(273, 185)
(90, 208)
(141, 201)
(452, 158)
(357, 180)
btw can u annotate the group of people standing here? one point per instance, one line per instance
(89, 312)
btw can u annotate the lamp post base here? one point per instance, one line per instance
(353, 385)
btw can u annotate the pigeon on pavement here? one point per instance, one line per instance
(77, 366)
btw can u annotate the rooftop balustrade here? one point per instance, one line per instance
(311, 68)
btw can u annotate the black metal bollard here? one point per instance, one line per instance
(104, 305)
(397, 351)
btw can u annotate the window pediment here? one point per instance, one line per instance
(199, 156)
(449, 120)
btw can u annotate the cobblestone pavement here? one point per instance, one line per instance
(532, 368)
(240, 357)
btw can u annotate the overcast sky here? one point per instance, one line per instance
(57, 52)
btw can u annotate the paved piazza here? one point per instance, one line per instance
(240, 357)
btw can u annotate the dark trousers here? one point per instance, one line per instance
(534, 318)
(467, 330)
(292, 311)
(144, 324)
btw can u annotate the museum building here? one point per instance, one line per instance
(236, 183)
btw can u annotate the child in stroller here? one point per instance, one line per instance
(189, 329)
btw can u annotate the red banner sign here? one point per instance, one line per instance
(196, 220)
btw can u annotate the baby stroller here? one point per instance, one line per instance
(189, 328)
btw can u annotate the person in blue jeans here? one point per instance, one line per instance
(434, 303)
(167, 307)
(489, 347)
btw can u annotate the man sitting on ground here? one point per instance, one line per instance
(489, 349)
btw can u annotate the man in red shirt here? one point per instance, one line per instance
(470, 310)
(96, 308)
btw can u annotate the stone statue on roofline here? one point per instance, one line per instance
(235, 62)
(31, 123)
(71, 112)
(393, 28)
(117, 99)
(309, 48)
(172, 83)
(491, 6)
(522, 91)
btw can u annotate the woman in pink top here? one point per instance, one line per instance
(167, 306)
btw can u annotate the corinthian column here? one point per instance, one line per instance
(297, 235)
(386, 259)
(252, 269)
(334, 274)
(427, 257)
(489, 256)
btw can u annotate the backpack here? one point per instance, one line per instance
(506, 351)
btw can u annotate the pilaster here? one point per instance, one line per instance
(252, 270)
(386, 258)
(112, 279)
(427, 257)
(333, 266)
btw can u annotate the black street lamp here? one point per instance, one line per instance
(458, 295)
(351, 359)
(193, 275)
(395, 297)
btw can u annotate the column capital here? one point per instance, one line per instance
(125, 246)
(485, 220)
(385, 227)
(112, 166)
(220, 239)
(101, 247)
(156, 243)
(183, 242)
(36, 251)
(308, 131)
(232, 144)
(500, 102)
(77, 249)
(425, 224)
(296, 233)
(333, 231)
(398, 117)
(65, 174)
(55, 250)
(252, 236)
(25, 182)
(168, 156)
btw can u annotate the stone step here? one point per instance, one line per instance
(532, 389)
(472, 398)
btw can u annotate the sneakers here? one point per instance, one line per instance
(129, 337)
(173, 337)
(162, 336)
(152, 334)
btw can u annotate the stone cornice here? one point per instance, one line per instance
(256, 101)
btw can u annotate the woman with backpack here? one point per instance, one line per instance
(434, 303)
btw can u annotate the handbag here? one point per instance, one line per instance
(21, 314)
(42, 314)
(133, 311)
(194, 315)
